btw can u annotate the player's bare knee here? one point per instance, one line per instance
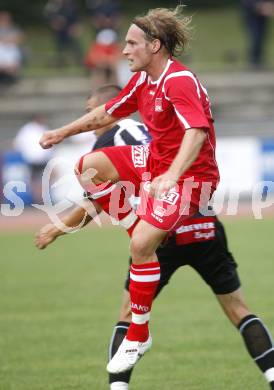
(135, 247)
(102, 166)
(86, 172)
(140, 250)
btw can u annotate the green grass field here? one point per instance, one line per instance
(58, 307)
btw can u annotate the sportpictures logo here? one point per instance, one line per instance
(261, 197)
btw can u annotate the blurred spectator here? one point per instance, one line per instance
(64, 21)
(256, 14)
(11, 57)
(102, 58)
(27, 143)
(105, 14)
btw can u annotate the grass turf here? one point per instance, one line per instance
(58, 307)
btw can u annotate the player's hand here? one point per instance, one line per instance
(162, 184)
(50, 138)
(46, 235)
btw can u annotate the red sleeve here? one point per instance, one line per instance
(186, 95)
(126, 102)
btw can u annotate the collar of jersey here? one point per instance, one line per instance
(157, 82)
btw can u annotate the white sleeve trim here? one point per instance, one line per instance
(126, 97)
(182, 119)
(185, 73)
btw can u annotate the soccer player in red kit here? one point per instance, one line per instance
(178, 171)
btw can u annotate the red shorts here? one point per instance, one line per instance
(167, 212)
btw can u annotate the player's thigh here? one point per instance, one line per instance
(215, 264)
(145, 240)
(98, 166)
(234, 305)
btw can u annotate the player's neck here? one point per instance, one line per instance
(157, 67)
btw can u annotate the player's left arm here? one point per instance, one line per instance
(185, 93)
(187, 154)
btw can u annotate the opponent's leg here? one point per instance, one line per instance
(234, 306)
(256, 337)
(120, 381)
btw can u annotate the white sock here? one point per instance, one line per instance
(119, 386)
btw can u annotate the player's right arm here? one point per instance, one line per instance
(77, 217)
(119, 107)
(93, 120)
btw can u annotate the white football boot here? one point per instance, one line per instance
(119, 386)
(128, 355)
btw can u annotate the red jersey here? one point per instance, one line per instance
(169, 107)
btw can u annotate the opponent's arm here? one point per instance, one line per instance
(95, 119)
(77, 217)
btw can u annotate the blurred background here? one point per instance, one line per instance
(57, 306)
(54, 53)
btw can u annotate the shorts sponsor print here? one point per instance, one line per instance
(139, 155)
(207, 254)
(168, 211)
(196, 230)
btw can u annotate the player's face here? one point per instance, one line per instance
(91, 103)
(137, 49)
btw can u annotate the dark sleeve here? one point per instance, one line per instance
(107, 139)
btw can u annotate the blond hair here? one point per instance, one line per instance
(168, 25)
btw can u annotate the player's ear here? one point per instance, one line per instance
(156, 45)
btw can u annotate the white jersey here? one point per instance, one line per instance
(125, 132)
